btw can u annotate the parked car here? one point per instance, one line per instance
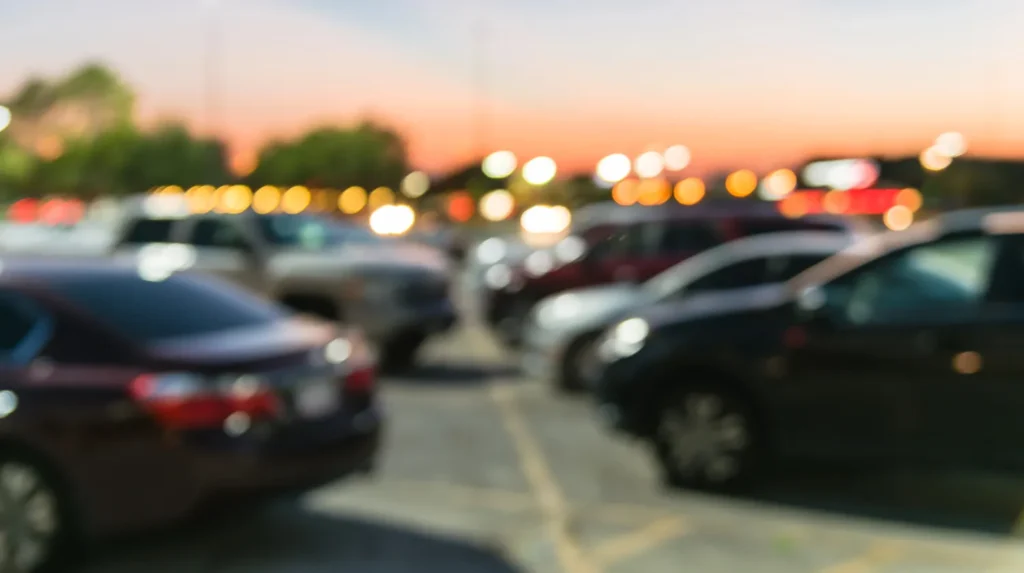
(398, 294)
(562, 330)
(904, 348)
(127, 402)
(631, 245)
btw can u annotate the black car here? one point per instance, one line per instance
(905, 348)
(126, 403)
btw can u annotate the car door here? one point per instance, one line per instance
(222, 248)
(861, 373)
(144, 232)
(974, 411)
(680, 240)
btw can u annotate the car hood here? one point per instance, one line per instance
(593, 307)
(386, 258)
(701, 306)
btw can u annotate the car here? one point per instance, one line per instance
(905, 348)
(560, 334)
(399, 295)
(631, 244)
(127, 403)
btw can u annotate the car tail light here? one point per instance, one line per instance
(182, 400)
(359, 366)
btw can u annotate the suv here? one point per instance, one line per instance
(397, 294)
(630, 244)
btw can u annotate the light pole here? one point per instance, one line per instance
(211, 65)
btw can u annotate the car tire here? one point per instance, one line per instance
(707, 438)
(571, 379)
(35, 517)
(510, 327)
(399, 355)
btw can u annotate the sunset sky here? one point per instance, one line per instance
(752, 83)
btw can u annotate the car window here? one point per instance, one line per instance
(784, 268)
(19, 320)
(763, 226)
(688, 237)
(631, 241)
(941, 278)
(149, 311)
(750, 272)
(144, 231)
(217, 233)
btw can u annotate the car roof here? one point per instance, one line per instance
(610, 213)
(31, 269)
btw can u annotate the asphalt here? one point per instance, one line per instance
(486, 472)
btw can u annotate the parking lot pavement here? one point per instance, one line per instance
(486, 472)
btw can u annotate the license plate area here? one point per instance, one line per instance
(317, 399)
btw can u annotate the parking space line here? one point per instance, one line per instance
(618, 549)
(548, 494)
(879, 554)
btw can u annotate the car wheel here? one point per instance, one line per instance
(510, 327)
(34, 529)
(707, 439)
(578, 366)
(399, 355)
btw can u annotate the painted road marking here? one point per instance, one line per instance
(548, 495)
(623, 547)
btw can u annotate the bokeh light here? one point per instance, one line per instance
(24, 210)
(654, 192)
(5, 117)
(415, 184)
(295, 200)
(677, 157)
(266, 199)
(951, 144)
(777, 184)
(690, 191)
(460, 206)
(614, 168)
(201, 199)
(352, 200)
(836, 202)
(793, 206)
(235, 199)
(910, 198)
(626, 192)
(497, 205)
(933, 160)
(499, 164)
(898, 218)
(379, 197)
(741, 183)
(649, 164)
(540, 170)
(392, 219)
(545, 219)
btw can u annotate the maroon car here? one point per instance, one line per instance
(630, 244)
(126, 403)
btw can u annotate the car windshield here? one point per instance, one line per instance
(311, 232)
(151, 311)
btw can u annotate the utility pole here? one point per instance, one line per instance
(481, 77)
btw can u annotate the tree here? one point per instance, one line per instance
(368, 155)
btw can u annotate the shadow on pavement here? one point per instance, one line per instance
(977, 503)
(454, 374)
(287, 538)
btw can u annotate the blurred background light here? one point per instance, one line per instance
(898, 218)
(499, 164)
(677, 157)
(689, 191)
(649, 164)
(777, 184)
(460, 206)
(295, 200)
(266, 199)
(540, 170)
(654, 192)
(415, 184)
(626, 192)
(951, 144)
(379, 197)
(933, 160)
(5, 117)
(392, 219)
(741, 183)
(614, 168)
(497, 205)
(352, 200)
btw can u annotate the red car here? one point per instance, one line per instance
(630, 244)
(126, 403)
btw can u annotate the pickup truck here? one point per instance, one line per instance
(397, 294)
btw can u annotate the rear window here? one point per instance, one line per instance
(764, 226)
(145, 231)
(180, 306)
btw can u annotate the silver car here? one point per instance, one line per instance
(561, 330)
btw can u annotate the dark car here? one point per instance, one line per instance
(631, 244)
(905, 348)
(127, 403)
(561, 332)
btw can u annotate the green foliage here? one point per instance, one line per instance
(368, 155)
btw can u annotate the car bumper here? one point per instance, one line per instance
(542, 354)
(389, 322)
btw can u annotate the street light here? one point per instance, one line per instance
(5, 117)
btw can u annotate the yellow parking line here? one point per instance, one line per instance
(620, 548)
(879, 554)
(550, 500)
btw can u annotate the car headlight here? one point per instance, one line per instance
(625, 339)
